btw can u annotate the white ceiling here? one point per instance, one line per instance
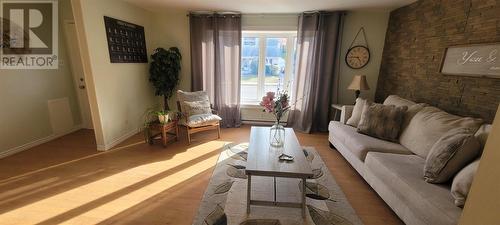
(270, 6)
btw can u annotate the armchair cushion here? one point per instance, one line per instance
(196, 108)
(183, 96)
(201, 120)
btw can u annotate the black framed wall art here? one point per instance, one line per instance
(126, 41)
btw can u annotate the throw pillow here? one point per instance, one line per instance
(449, 154)
(184, 96)
(462, 182)
(197, 108)
(381, 121)
(356, 112)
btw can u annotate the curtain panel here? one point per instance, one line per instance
(215, 62)
(315, 85)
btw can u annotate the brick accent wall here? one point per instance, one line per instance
(416, 38)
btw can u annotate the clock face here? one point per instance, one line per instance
(357, 57)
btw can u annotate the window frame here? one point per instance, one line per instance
(262, 37)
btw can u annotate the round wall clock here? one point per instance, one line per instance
(357, 57)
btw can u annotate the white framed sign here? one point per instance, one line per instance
(482, 60)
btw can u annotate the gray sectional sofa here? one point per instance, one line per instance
(395, 170)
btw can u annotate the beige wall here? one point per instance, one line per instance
(375, 24)
(483, 203)
(24, 114)
(172, 30)
(120, 92)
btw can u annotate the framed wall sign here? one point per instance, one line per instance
(481, 60)
(126, 41)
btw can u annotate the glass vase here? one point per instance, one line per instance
(277, 135)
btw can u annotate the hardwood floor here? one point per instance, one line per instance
(67, 181)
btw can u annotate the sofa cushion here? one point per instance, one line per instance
(360, 144)
(462, 182)
(430, 124)
(452, 152)
(356, 112)
(398, 179)
(398, 101)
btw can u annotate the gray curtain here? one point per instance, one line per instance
(315, 85)
(215, 62)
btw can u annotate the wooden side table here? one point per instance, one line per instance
(165, 131)
(337, 108)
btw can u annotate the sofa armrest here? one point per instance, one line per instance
(346, 113)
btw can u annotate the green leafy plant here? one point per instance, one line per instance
(164, 72)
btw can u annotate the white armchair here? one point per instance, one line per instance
(197, 113)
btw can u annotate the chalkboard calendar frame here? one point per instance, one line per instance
(126, 41)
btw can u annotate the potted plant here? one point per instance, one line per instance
(163, 116)
(164, 72)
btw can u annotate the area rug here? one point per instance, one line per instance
(224, 201)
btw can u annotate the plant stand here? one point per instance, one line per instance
(166, 132)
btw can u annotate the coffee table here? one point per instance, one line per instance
(263, 161)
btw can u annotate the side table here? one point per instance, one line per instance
(165, 131)
(337, 110)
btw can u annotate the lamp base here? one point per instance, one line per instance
(357, 93)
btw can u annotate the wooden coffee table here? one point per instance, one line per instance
(263, 161)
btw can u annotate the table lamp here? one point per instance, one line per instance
(358, 83)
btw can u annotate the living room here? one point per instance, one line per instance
(249, 112)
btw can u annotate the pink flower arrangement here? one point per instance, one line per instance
(277, 105)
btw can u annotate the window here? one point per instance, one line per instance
(267, 63)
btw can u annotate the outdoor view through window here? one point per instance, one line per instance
(267, 62)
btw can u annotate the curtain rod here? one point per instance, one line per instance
(208, 13)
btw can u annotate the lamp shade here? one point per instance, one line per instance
(359, 83)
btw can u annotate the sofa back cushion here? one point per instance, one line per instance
(381, 121)
(450, 154)
(429, 125)
(398, 101)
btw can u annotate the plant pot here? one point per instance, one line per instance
(163, 118)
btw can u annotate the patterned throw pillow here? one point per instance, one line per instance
(450, 154)
(197, 108)
(381, 121)
(184, 96)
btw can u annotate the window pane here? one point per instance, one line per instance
(249, 68)
(275, 63)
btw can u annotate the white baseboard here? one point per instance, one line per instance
(118, 140)
(37, 142)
